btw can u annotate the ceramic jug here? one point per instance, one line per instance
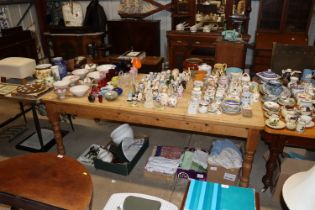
(219, 69)
(62, 68)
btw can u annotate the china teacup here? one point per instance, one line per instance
(274, 120)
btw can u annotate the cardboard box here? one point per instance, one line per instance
(168, 153)
(122, 168)
(191, 174)
(289, 167)
(222, 175)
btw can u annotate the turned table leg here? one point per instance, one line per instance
(276, 145)
(251, 144)
(53, 117)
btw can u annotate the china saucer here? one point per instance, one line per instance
(309, 125)
(280, 125)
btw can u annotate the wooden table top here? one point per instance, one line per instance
(44, 177)
(308, 132)
(179, 113)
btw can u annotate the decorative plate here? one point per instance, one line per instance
(280, 124)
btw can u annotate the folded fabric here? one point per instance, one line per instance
(226, 154)
(162, 165)
(200, 158)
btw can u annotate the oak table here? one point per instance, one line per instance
(277, 139)
(45, 181)
(168, 117)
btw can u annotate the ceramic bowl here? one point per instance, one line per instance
(95, 75)
(61, 84)
(79, 90)
(90, 67)
(121, 132)
(80, 72)
(73, 79)
(105, 67)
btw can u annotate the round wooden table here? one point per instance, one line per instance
(46, 178)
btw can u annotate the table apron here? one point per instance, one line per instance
(159, 120)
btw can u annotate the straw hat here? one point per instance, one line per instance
(298, 190)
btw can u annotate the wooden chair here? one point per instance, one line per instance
(296, 57)
(44, 181)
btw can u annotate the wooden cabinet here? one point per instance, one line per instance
(71, 45)
(224, 13)
(139, 35)
(283, 21)
(184, 44)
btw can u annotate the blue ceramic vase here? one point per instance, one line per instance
(62, 67)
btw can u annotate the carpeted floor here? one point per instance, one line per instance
(89, 132)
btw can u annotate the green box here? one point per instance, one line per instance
(122, 168)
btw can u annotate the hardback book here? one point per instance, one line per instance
(214, 196)
(132, 54)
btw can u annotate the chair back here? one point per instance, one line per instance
(296, 57)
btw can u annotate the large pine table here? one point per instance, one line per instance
(168, 117)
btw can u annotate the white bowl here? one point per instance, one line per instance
(90, 67)
(80, 72)
(95, 75)
(79, 90)
(72, 79)
(121, 132)
(105, 67)
(61, 84)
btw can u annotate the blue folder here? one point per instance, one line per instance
(214, 196)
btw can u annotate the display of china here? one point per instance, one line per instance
(268, 75)
(42, 71)
(62, 67)
(274, 87)
(203, 106)
(60, 88)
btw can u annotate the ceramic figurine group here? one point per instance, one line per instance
(226, 90)
(288, 98)
(164, 88)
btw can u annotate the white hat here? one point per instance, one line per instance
(298, 190)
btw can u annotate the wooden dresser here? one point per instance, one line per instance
(184, 44)
(286, 22)
(204, 45)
